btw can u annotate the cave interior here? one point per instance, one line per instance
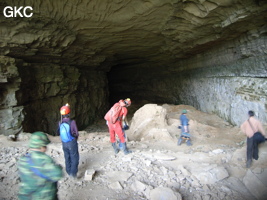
(90, 54)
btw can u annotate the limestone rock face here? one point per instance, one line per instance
(11, 115)
(42, 89)
(209, 54)
(148, 123)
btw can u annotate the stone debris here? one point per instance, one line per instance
(255, 185)
(261, 175)
(143, 176)
(217, 151)
(24, 136)
(88, 175)
(138, 186)
(163, 193)
(118, 176)
(115, 186)
(164, 157)
(210, 174)
(195, 172)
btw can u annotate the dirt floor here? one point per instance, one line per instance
(212, 168)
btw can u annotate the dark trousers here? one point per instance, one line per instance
(71, 155)
(252, 146)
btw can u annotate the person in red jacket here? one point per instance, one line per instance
(117, 126)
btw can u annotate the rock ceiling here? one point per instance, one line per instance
(101, 34)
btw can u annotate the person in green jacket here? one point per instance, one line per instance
(38, 172)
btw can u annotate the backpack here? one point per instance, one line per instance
(113, 114)
(65, 132)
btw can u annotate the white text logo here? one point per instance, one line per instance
(17, 12)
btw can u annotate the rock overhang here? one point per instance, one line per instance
(208, 54)
(102, 34)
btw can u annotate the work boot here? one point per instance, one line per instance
(188, 143)
(179, 141)
(116, 150)
(248, 165)
(125, 150)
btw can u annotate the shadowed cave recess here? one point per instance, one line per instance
(208, 54)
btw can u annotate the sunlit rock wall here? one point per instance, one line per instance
(228, 80)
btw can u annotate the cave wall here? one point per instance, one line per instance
(228, 79)
(206, 53)
(32, 94)
(11, 115)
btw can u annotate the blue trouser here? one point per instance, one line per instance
(71, 155)
(124, 135)
(252, 146)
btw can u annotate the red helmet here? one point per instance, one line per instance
(64, 110)
(128, 102)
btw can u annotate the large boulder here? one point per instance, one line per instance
(255, 185)
(149, 122)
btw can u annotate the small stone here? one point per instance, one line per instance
(88, 176)
(138, 186)
(217, 151)
(115, 186)
(160, 193)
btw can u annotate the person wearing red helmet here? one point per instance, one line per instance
(118, 126)
(64, 110)
(69, 135)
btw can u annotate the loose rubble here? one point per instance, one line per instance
(210, 169)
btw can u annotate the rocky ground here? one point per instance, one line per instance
(212, 168)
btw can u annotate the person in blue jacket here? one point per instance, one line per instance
(69, 135)
(185, 135)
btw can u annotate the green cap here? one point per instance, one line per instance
(184, 111)
(38, 140)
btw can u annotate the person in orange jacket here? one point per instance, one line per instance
(118, 126)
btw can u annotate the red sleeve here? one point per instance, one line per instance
(124, 111)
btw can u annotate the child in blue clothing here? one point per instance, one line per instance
(185, 135)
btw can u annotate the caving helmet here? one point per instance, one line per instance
(184, 111)
(128, 102)
(38, 140)
(64, 110)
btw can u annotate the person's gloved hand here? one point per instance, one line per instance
(125, 127)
